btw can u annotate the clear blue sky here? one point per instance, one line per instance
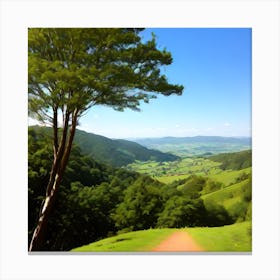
(214, 65)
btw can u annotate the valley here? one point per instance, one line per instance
(196, 146)
(137, 196)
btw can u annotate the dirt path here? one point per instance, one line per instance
(178, 241)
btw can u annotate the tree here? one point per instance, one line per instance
(141, 205)
(72, 69)
(182, 211)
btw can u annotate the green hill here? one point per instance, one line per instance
(236, 199)
(113, 152)
(234, 161)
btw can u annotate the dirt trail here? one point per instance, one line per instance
(179, 241)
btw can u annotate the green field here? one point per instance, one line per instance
(186, 166)
(168, 172)
(198, 149)
(231, 238)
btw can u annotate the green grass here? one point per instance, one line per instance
(227, 196)
(228, 177)
(138, 241)
(231, 238)
(168, 172)
(169, 179)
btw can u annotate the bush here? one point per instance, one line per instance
(217, 215)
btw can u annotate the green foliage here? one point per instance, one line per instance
(112, 152)
(89, 193)
(193, 186)
(97, 201)
(117, 152)
(141, 205)
(73, 69)
(236, 199)
(212, 186)
(234, 161)
(76, 68)
(182, 212)
(217, 215)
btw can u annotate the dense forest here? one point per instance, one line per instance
(97, 200)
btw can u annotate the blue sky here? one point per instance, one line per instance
(214, 65)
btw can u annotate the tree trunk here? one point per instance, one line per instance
(58, 168)
(38, 237)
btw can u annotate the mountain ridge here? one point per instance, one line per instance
(184, 139)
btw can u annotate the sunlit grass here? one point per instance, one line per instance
(138, 241)
(228, 177)
(231, 238)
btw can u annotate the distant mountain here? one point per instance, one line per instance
(194, 139)
(114, 152)
(198, 145)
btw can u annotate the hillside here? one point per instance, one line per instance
(197, 146)
(113, 152)
(234, 161)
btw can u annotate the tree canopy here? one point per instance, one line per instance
(75, 68)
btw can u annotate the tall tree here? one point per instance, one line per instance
(72, 69)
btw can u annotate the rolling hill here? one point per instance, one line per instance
(114, 152)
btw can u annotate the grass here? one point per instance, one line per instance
(231, 238)
(227, 196)
(226, 193)
(138, 241)
(169, 179)
(168, 172)
(228, 177)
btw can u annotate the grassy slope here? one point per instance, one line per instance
(228, 177)
(226, 196)
(232, 238)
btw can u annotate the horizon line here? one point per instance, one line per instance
(148, 137)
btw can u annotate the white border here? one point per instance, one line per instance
(262, 16)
